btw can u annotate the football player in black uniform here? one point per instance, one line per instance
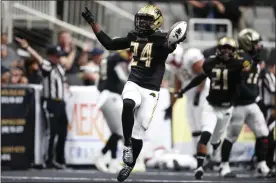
(113, 76)
(225, 73)
(150, 49)
(246, 109)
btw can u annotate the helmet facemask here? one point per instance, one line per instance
(226, 52)
(144, 23)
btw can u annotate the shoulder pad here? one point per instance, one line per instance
(159, 34)
(132, 35)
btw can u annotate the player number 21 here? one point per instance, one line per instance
(145, 55)
(216, 83)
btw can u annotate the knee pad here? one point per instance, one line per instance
(138, 131)
(205, 137)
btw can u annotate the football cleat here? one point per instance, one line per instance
(124, 173)
(199, 173)
(225, 171)
(114, 166)
(262, 169)
(128, 155)
(100, 163)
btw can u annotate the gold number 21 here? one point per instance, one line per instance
(145, 55)
(217, 79)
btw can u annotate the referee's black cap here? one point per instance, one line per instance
(56, 50)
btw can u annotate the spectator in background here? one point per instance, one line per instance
(229, 10)
(18, 76)
(197, 9)
(91, 68)
(66, 44)
(9, 57)
(5, 75)
(32, 71)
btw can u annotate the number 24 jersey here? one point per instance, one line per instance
(225, 78)
(149, 56)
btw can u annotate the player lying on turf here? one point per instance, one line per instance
(150, 49)
(226, 74)
(246, 109)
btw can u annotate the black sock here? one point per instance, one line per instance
(226, 150)
(202, 148)
(271, 144)
(200, 159)
(137, 145)
(109, 143)
(128, 120)
(114, 146)
(261, 148)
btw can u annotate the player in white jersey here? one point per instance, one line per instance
(186, 66)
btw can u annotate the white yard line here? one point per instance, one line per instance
(163, 173)
(55, 179)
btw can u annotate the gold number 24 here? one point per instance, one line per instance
(145, 55)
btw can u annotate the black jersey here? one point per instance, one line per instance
(251, 79)
(149, 56)
(225, 77)
(109, 80)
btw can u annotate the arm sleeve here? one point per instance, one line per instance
(196, 81)
(113, 44)
(120, 73)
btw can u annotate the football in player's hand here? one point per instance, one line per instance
(177, 33)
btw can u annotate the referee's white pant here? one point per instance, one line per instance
(252, 116)
(112, 110)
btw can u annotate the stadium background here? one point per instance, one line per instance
(40, 21)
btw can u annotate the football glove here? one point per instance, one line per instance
(88, 16)
(179, 94)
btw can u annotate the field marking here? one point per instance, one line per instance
(162, 173)
(128, 180)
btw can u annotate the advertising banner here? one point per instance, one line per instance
(17, 127)
(87, 134)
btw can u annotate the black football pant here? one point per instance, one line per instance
(271, 136)
(57, 124)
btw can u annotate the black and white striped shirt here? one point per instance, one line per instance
(53, 80)
(267, 87)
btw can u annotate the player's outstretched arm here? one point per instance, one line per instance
(196, 81)
(105, 40)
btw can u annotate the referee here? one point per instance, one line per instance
(53, 101)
